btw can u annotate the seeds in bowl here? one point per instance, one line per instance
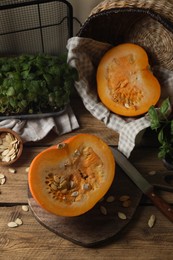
(9, 147)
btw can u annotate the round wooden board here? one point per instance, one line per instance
(93, 228)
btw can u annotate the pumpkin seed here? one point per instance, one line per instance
(111, 198)
(2, 181)
(152, 173)
(127, 105)
(18, 221)
(2, 176)
(103, 210)
(124, 198)
(25, 208)
(56, 178)
(86, 186)
(27, 169)
(121, 215)
(72, 184)
(127, 203)
(54, 187)
(12, 170)
(61, 145)
(12, 224)
(75, 194)
(151, 221)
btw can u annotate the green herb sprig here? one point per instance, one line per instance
(162, 122)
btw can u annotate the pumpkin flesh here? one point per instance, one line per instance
(69, 179)
(125, 83)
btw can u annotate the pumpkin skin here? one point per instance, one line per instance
(68, 179)
(125, 83)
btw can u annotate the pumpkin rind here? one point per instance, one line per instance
(85, 161)
(125, 83)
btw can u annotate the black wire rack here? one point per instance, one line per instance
(35, 26)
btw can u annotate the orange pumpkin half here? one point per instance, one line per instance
(125, 83)
(68, 179)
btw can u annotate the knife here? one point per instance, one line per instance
(142, 183)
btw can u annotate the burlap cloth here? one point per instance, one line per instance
(84, 54)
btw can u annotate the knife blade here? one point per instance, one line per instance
(142, 183)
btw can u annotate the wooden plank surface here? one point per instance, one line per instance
(33, 241)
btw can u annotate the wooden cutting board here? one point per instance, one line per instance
(93, 228)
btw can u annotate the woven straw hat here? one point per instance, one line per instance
(147, 23)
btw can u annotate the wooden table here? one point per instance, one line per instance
(33, 241)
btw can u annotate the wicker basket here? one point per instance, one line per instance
(147, 23)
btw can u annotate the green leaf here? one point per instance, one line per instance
(172, 127)
(154, 118)
(161, 137)
(10, 92)
(165, 108)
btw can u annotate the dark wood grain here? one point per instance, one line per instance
(93, 228)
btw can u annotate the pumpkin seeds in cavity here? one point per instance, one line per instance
(121, 215)
(127, 105)
(75, 194)
(103, 210)
(53, 186)
(12, 224)
(124, 198)
(2, 181)
(151, 221)
(12, 170)
(25, 208)
(61, 145)
(18, 221)
(56, 178)
(72, 184)
(86, 186)
(111, 198)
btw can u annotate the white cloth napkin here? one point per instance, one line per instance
(37, 129)
(84, 54)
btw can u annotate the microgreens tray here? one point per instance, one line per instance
(35, 116)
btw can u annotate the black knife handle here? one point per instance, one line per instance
(162, 205)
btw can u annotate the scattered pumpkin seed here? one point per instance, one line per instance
(111, 198)
(103, 210)
(152, 173)
(121, 215)
(25, 208)
(127, 203)
(18, 221)
(151, 221)
(2, 176)
(12, 224)
(12, 170)
(2, 181)
(124, 198)
(27, 169)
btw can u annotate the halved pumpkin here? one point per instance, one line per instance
(125, 83)
(68, 179)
